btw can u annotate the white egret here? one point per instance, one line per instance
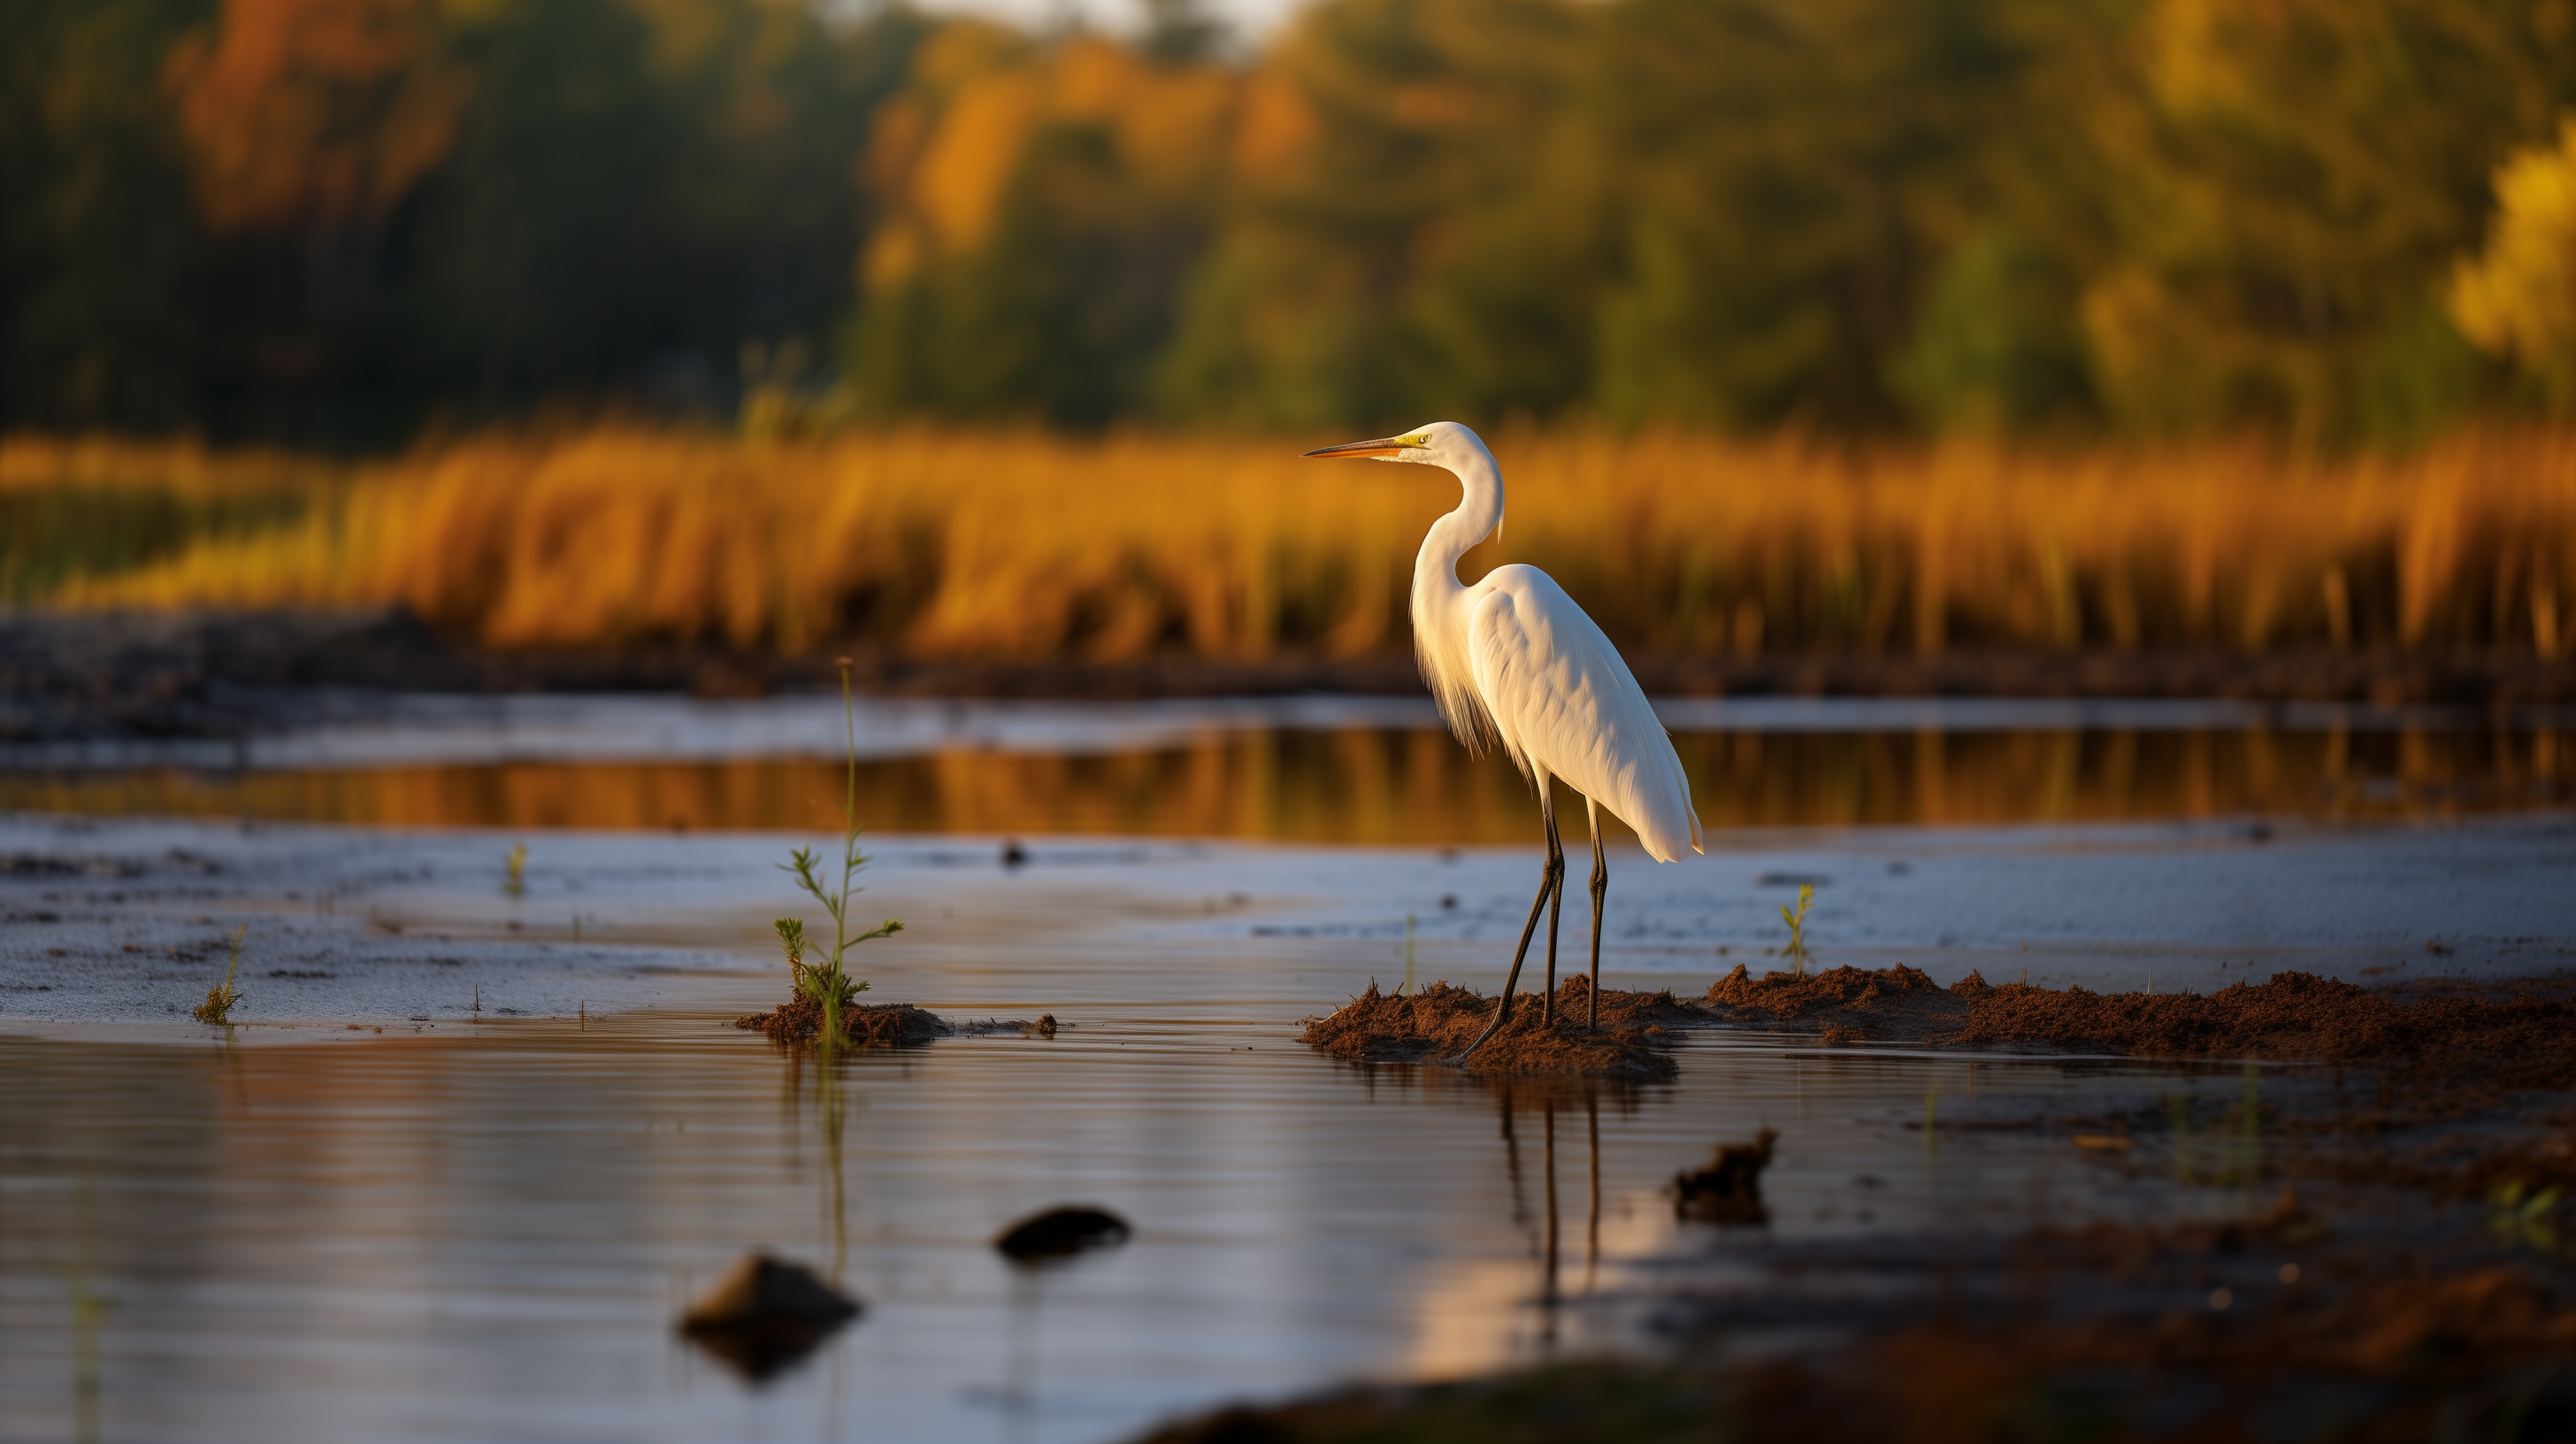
(1512, 660)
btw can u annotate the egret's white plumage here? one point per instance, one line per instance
(1513, 661)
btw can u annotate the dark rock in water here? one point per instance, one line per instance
(766, 1314)
(1013, 855)
(1729, 1190)
(1062, 1233)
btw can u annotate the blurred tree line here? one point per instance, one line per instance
(336, 221)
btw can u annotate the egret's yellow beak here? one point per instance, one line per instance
(1383, 447)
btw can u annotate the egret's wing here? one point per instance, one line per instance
(1563, 700)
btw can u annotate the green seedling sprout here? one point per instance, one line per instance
(2521, 1217)
(1407, 984)
(1797, 921)
(828, 982)
(516, 883)
(218, 1007)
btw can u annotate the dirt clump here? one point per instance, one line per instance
(1728, 1191)
(2485, 1044)
(2474, 1353)
(766, 1314)
(1437, 1023)
(1851, 1003)
(863, 1025)
(2525, 1041)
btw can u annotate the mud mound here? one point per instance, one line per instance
(1729, 1190)
(867, 1025)
(2528, 1040)
(1437, 1023)
(1851, 1004)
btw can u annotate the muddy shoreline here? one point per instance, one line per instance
(2513, 1034)
(209, 674)
(2408, 1276)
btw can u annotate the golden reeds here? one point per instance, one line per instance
(949, 544)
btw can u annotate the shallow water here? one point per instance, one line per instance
(1315, 769)
(468, 1227)
(488, 1235)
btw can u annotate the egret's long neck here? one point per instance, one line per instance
(1439, 601)
(1480, 510)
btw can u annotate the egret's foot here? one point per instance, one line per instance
(1502, 1015)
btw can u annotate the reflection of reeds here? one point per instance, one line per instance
(1396, 788)
(955, 545)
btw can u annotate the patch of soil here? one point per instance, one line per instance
(863, 1025)
(2524, 1042)
(2473, 1354)
(1850, 1004)
(1437, 1023)
(2267, 1330)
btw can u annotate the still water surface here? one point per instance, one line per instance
(488, 1234)
(461, 1229)
(1336, 770)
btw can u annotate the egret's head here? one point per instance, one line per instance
(1442, 443)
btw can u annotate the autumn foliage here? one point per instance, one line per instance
(337, 222)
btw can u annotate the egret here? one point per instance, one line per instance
(1513, 661)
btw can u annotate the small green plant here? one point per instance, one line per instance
(827, 981)
(516, 883)
(1407, 984)
(2522, 1217)
(1797, 921)
(218, 1007)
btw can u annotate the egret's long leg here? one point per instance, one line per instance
(1555, 907)
(1600, 890)
(1551, 880)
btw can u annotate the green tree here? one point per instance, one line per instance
(101, 263)
(1416, 239)
(2516, 299)
(2284, 188)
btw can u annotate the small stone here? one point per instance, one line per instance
(766, 1314)
(1061, 1233)
(1729, 1190)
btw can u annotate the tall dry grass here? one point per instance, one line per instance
(950, 544)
